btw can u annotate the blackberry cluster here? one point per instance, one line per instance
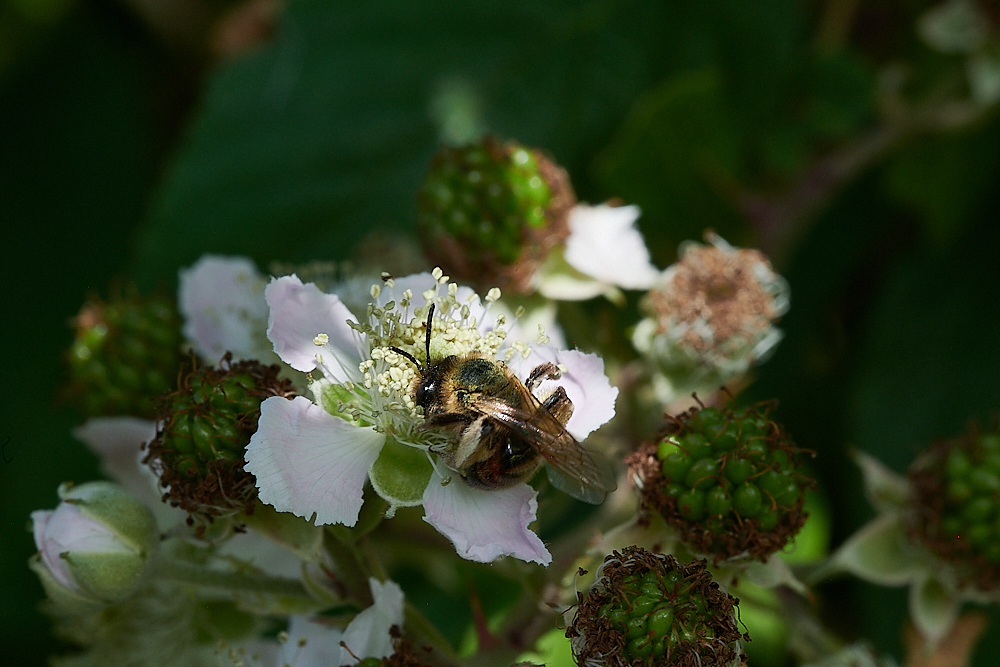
(490, 212)
(956, 505)
(729, 480)
(648, 609)
(126, 352)
(204, 428)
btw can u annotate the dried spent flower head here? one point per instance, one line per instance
(648, 609)
(491, 212)
(125, 353)
(711, 316)
(955, 506)
(203, 430)
(728, 480)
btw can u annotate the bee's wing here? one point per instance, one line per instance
(576, 471)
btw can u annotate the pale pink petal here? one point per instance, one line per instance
(311, 644)
(118, 441)
(485, 525)
(301, 312)
(585, 383)
(368, 634)
(604, 243)
(307, 461)
(222, 300)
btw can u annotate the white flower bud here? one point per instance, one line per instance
(96, 545)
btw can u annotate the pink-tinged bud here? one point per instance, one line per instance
(95, 546)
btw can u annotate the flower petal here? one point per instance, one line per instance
(880, 552)
(605, 243)
(299, 313)
(485, 525)
(118, 441)
(311, 644)
(368, 634)
(933, 608)
(585, 383)
(222, 300)
(307, 461)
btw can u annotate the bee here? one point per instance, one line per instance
(504, 433)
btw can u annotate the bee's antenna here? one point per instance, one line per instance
(405, 354)
(430, 322)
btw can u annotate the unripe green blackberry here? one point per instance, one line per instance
(956, 505)
(203, 430)
(728, 480)
(648, 609)
(489, 212)
(126, 353)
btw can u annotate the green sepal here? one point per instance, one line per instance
(933, 609)
(880, 553)
(292, 532)
(400, 475)
(64, 599)
(885, 489)
(107, 576)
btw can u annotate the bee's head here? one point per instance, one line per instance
(426, 388)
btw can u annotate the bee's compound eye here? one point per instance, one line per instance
(424, 393)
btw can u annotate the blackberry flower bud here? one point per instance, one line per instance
(729, 481)
(955, 507)
(96, 545)
(126, 353)
(491, 212)
(710, 317)
(203, 430)
(648, 609)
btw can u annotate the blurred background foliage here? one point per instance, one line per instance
(137, 135)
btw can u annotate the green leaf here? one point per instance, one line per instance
(944, 179)
(301, 149)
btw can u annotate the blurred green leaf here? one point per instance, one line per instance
(946, 177)
(841, 94)
(326, 133)
(677, 144)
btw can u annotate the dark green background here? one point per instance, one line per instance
(122, 157)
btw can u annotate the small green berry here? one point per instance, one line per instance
(649, 609)
(729, 480)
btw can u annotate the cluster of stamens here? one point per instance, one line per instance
(395, 335)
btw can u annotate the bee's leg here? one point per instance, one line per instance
(548, 370)
(559, 406)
